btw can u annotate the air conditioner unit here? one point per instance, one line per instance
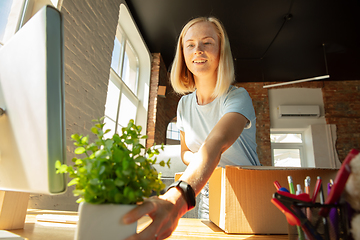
(299, 111)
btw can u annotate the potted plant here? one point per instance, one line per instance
(110, 177)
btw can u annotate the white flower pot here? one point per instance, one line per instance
(103, 221)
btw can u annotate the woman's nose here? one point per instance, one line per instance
(199, 49)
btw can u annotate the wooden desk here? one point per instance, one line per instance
(187, 229)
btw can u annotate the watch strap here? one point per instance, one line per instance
(187, 191)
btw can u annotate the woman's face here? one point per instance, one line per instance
(201, 49)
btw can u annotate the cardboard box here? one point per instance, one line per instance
(240, 197)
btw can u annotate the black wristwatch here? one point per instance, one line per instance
(186, 191)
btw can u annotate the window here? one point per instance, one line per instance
(15, 13)
(122, 101)
(287, 149)
(128, 89)
(5, 6)
(173, 132)
(125, 61)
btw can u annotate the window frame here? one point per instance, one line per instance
(116, 77)
(172, 130)
(125, 42)
(299, 146)
(139, 96)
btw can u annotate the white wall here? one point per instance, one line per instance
(323, 138)
(295, 96)
(319, 137)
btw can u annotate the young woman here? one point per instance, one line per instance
(216, 122)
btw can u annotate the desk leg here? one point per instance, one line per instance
(13, 207)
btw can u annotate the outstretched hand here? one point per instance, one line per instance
(165, 211)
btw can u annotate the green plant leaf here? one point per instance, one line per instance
(80, 150)
(57, 164)
(85, 140)
(75, 137)
(136, 150)
(78, 161)
(108, 144)
(62, 168)
(94, 181)
(78, 192)
(102, 169)
(119, 182)
(94, 130)
(74, 181)
(139, 128)
(140, 159)
(100, 153)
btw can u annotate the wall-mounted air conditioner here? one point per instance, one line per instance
(299, 111)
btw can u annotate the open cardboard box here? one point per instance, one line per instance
(240, 197)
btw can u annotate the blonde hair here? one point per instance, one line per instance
(182, 79)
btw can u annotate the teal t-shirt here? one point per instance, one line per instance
(197, 121)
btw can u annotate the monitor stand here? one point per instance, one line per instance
(13, 208)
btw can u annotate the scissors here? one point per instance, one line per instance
(290, 205)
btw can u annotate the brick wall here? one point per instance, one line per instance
(89, 29)
(342, 107)
(153, 97)
(161, 110)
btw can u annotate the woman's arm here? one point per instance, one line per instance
(167, 209)
(204, 162)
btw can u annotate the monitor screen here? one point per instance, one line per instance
(32, 129)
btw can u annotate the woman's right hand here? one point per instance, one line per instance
(165, 212)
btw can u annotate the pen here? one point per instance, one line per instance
(307, 184)
(298, 189)
(333, 216)
(279, 188)
(277, 185)
(317, 189)
(292, 191)
(291, 185)
(307, 190)
(322, 201)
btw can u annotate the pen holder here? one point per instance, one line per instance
(333, 227)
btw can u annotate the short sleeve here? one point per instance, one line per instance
(238, 100)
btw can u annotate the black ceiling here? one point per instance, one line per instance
(271, 40)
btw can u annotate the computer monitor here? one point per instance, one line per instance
(32, 129)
